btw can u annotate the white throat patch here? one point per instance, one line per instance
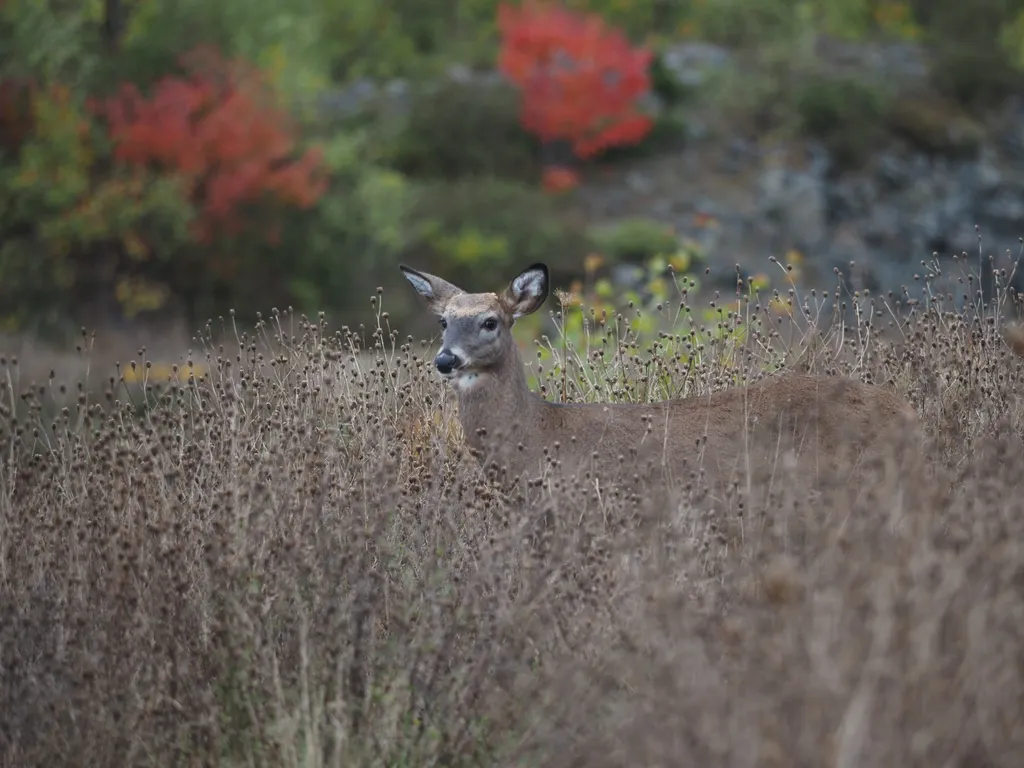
(464, 382)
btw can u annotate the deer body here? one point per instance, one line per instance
(507, 424)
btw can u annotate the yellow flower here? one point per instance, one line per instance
(657, 287)
(680, 261)
(760, 281)
(781, 307)
(161, 372)
(134, 245)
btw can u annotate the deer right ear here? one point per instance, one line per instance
(435, 291)
(527, 292)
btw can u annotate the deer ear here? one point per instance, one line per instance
(527, 291)
(435, 291)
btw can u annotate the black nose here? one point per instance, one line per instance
(446, 362)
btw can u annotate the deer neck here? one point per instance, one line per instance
(497, 401)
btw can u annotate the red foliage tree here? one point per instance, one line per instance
(219, 129)
(580, 78)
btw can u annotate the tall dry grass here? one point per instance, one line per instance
(292, 562)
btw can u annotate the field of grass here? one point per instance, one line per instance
(289, 560)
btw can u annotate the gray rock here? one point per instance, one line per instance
(988, 177)
(1010, 136)
(886, 216)
(796, 200)
(459, 73)
(906, 61)
(630, 277)
(690, 62)
(893, 170)
(397, 89)
(884, 224)
(350, 100)
(852, 197)
(639, 183)
(1004, 212)
(651, 103)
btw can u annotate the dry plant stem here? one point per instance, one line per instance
(293, 559)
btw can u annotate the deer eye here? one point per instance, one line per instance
(444, 323)
(490, 324)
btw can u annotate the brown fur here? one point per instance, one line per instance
(820, 420)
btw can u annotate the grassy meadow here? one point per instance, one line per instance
(280, 555)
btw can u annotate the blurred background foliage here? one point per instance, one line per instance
(447, 179)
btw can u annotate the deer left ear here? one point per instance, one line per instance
(434, 291)
(527, 291)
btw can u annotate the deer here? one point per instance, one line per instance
(509, 426)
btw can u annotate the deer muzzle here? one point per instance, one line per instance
(446, 362)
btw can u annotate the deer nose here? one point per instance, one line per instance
(446, 362)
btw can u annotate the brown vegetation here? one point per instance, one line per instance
(293, 562)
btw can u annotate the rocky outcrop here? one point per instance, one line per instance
(941, 180)
(942, 177)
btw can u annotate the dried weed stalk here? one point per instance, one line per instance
(291, 561)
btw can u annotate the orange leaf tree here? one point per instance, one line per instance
(218, 129)
(581, 79)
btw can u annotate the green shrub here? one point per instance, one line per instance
(330, 257)
(635, 239)
(49, 40)
(935, 125)
(638, 18)
(465, 129)
(974, 47)
(71, 234)
(288, 42)
(743, 23)
(844, 112)
(408, 38)
(666, 85)
(474, 228)
(669, 131)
